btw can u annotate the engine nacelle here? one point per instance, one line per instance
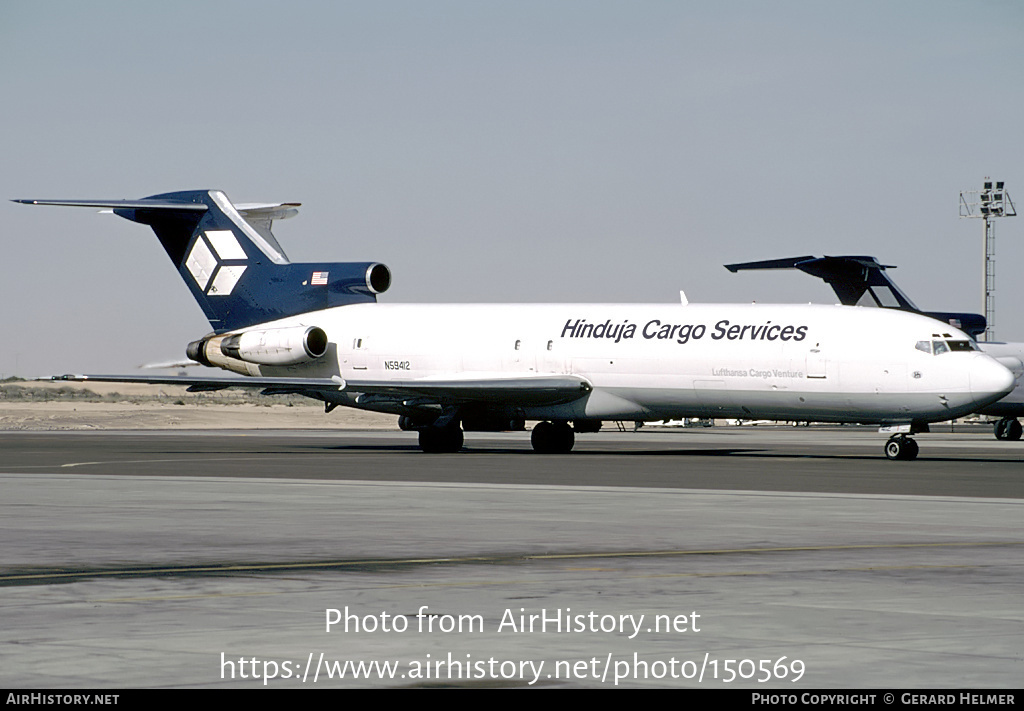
(378, 278)
(274, 346)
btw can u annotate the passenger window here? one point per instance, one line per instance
(939, 347)
(925, 346)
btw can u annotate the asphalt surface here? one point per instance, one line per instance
(968, 462)
(761, 558)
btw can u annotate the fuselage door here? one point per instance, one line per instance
(358, 356)
(816, 363)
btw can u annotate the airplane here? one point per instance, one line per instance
(862, 281)
(316, 329)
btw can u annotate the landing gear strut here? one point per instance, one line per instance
(1008, 428)
(552, 438)
(901, 447)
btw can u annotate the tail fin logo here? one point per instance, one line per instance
(217, 261)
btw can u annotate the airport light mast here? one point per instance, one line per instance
(990, 202)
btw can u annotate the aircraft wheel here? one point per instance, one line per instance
(1008, 428)
(999, 429)
(552, 438)
(901, 448)
(543, 438)
(1014, 430)
(441, 440)
(566, 437)
(912, 450)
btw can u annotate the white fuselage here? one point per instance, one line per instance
(655, 361)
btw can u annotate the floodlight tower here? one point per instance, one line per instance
(990, 202)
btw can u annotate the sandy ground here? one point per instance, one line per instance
(127, 415)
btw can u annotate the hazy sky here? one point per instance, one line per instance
(502, 151)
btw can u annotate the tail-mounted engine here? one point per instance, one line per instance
(275, 346)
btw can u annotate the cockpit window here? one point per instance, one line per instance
(940, 347)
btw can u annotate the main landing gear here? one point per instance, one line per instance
(441, 440)
(547, 437)
(901, 447)
(553, 438)
(1008, 428)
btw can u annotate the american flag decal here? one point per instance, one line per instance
(319, 278)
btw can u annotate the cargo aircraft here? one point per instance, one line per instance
(863, 281)
(316, 329)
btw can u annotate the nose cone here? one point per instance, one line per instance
(990, 381)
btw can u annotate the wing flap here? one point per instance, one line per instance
(517, 391)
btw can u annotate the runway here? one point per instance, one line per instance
(968, 462)
(188, 559)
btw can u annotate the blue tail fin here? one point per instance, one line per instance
(232, 263)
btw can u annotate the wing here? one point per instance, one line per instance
(515, 391)
(195, 384)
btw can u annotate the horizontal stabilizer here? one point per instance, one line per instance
(786, 263)
(143, 204)
(818, 266)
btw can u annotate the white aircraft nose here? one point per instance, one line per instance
(990, 380)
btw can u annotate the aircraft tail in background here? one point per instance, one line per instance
(862, 281)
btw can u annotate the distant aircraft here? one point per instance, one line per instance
(316, 329)
(862, 281)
